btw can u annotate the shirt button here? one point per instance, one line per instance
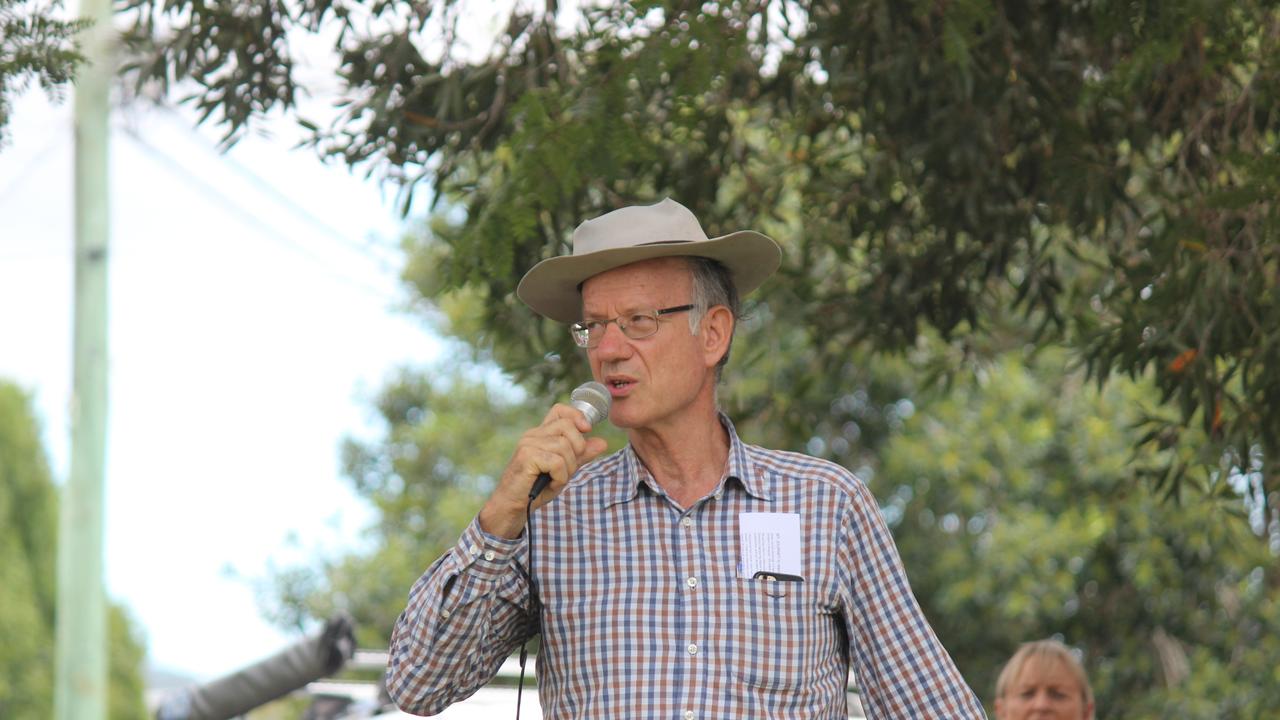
(473, 550)
(692, 582)
(488, 555)
(688, 715)
(445, 614)
(687, 521)
(693, 648)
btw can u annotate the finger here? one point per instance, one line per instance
(593, 448)
(558, 468)
(557, 447)
(569, 412)
(572, 458)
(567, 454)
(561, 411)
(553, 461)
(561, 428)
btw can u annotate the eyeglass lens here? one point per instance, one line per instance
(634, 326)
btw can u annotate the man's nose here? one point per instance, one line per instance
(614, 343)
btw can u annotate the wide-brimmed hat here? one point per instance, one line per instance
(642, 232)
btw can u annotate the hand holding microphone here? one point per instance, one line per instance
(553, 450)
(592, 400)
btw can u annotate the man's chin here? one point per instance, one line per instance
(624, 420)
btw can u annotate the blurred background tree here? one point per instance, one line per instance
(1030, 286)
(35, 44)
(1008, 498)
(28, 593)
(448, 435)
(1107, 170)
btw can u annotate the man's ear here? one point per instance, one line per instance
(716, 329)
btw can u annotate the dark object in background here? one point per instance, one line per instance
(303, 662)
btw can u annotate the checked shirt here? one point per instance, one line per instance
(644, 614)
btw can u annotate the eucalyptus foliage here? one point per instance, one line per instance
(963, 190)
(1108, 170)
(35, 45)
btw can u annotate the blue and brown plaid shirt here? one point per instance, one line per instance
(644, 614)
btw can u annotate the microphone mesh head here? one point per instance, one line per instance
(593, 400)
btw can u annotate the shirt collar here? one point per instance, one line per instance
(633, 473)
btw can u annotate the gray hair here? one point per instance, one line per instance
(713, 285)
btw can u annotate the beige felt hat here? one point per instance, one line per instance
(641, 232)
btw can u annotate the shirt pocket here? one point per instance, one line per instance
(779, 634)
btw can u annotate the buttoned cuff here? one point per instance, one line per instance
(483, 555)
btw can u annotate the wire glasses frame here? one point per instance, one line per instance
(636, 325)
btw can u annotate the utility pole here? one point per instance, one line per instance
(81, 622)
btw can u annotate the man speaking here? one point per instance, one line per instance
(688, 575)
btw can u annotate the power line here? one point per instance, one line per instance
(251, 219)
(280, 198)
(52, 141)
(56, 135)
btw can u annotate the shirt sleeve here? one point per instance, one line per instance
(902, 669)
(464, 617)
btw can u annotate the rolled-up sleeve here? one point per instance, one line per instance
(464, 616)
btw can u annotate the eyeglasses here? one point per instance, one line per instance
(637, 325)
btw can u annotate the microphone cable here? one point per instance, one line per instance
(534, 607)
(592, 399)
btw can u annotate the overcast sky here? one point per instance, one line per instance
(254, 312)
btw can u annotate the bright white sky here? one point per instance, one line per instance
(255, 311)
(253, 316)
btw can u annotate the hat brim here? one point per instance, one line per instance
(551, 286)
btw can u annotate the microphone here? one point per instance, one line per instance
(592, 400)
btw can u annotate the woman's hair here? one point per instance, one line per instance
(1044, 650)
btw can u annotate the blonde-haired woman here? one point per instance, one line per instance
(1045, 681)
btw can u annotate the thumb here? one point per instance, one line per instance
(594, 449)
